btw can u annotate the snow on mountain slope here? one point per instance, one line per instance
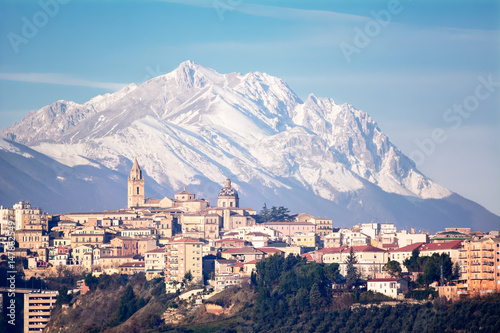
(195, 121)
(195, 127)
(53, 121)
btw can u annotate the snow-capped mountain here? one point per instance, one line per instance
(194, 127)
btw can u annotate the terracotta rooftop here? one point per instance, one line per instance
(242, 250)
(185, 240)
(288, 223)
(441, 246)
(407, 248)
(327, 250)
(231, 239)
(364, 248)
(158, 250)
(252, 262)
(268, 249)
(307, 256)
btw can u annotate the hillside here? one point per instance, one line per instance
(293, 299)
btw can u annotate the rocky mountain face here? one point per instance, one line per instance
(194, 127)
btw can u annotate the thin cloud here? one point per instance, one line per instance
(223, 8)
(61, 79)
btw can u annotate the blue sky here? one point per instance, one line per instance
(408, 71)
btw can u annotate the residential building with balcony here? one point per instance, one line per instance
(480, 265)
(183, 255)
(37, 307)
(155, 262)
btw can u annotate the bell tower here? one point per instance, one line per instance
(135, 186)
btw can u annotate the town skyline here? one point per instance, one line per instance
(409, 85)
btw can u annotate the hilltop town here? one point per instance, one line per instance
(185, 241)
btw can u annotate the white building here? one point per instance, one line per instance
(154, 262)
(346, 237)
(395, 288)
(404, 238)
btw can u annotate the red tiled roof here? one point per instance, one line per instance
(327, 250)
(307, 256)
(441, 246)
(257, 234)
(288, 223)
(242, 250)
(364, 248)
(268, 249)
(158, 250)
(185, 240)
(407, 248)
(251, 262)
(231, 239)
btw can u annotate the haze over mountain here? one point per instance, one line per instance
(194, 127)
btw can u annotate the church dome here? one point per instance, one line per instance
(228, 191)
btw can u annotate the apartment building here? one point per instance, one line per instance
(184, 255)
(24, 216)
(346, 237)
(37, 307)
(128, 245)
(305, 240)
(480, 265)
(154, 261)
(288, 229)
(32, 239)
(204, 224)
(451, 248)
(89, 236)
(370, 259)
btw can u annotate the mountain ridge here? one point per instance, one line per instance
(194, 126)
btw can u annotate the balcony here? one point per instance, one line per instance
(489, 291)
(488, 256)
(462, 292)
(475, 263)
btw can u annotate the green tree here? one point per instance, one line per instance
(415, 263)
(315, 299)
(264, 214)
(352, 275)
(91, 281)
(456, 271)
(393, 268)
(438, 267)
(62, 296)
(188, 276)
(127, 307)
(275, 214)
